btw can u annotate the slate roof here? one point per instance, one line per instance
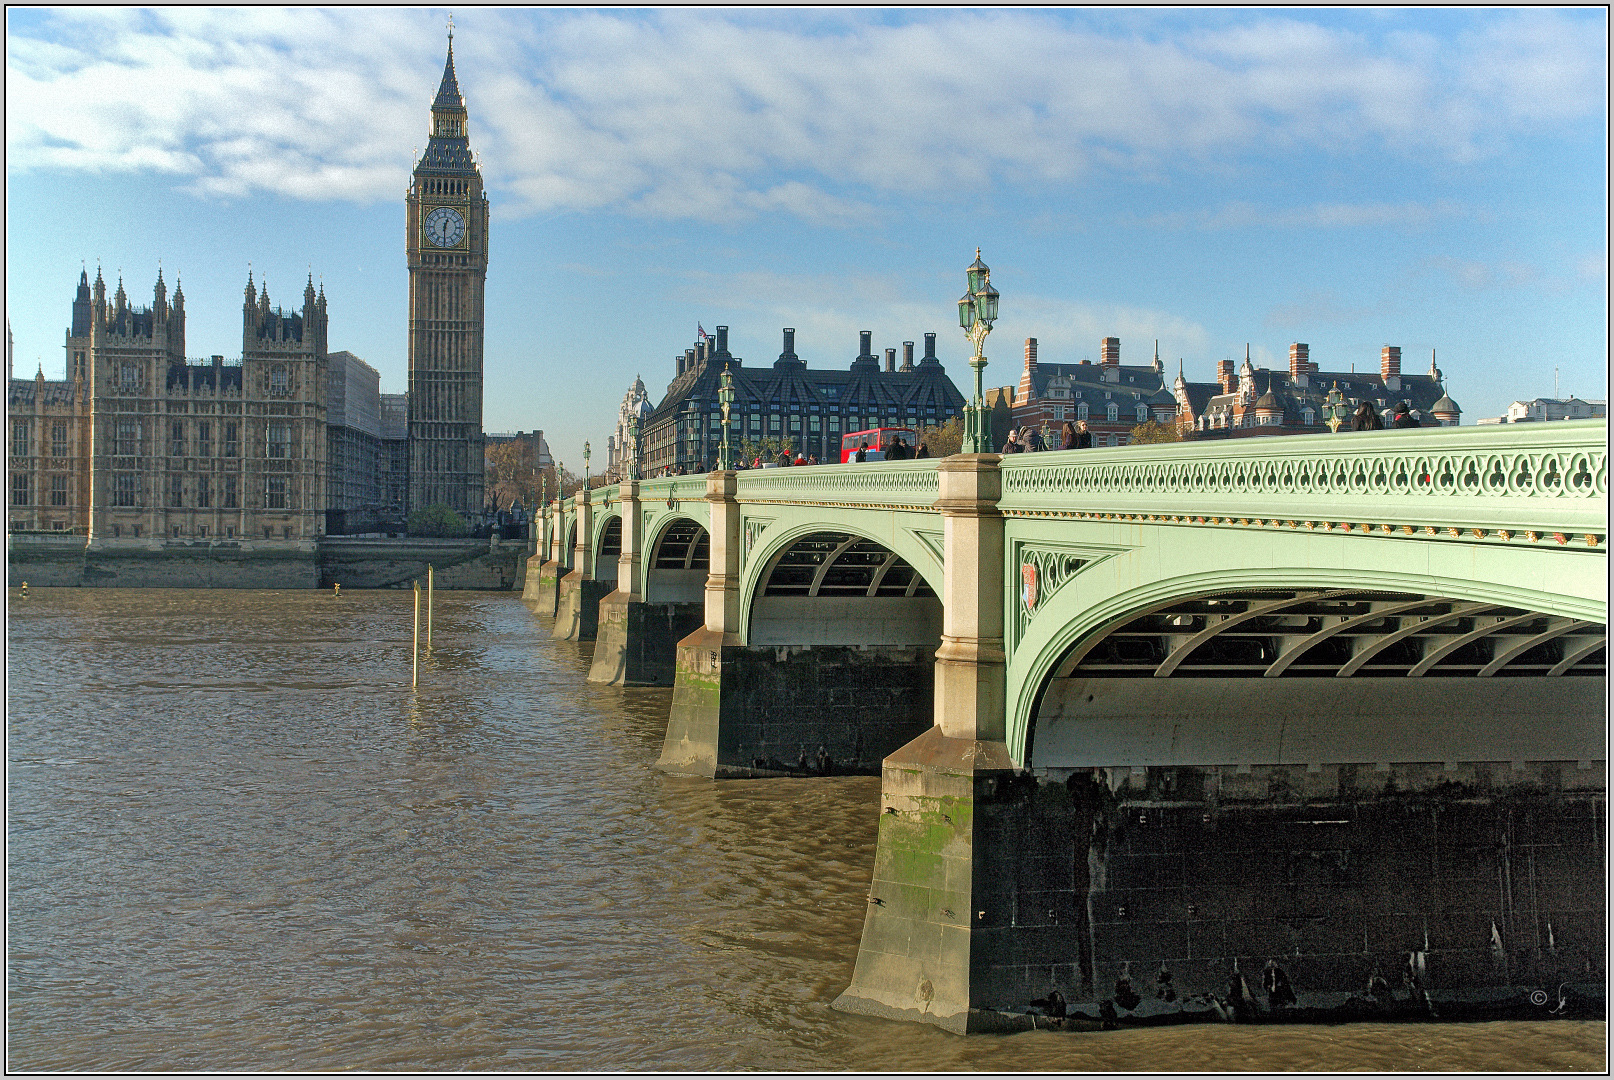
(789, 381)
(448, 94)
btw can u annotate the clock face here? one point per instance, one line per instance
(444, 227)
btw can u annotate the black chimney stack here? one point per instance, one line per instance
(930, 350)
(788, 357)
(865, 357)
(722, 341)
(907, 356)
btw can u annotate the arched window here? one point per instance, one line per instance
(1081, 411)
(277, 380)
(1143, 412)
(1112, 413)
(1307, 416)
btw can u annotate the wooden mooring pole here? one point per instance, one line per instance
(414, 676)
(429, 586)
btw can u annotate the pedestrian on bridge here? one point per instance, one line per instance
(1012, 446)
(1366, 418)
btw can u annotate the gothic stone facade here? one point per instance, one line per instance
(447, 242)
(141, 444)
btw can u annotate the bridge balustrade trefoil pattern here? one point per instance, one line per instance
(898, 485)
(1559, 476)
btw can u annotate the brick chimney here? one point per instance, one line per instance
(1027, 386)
(1225, 376)
(907, 356)
(1110, 347)
(1390, 362)
(1300, 359)
(891, 359)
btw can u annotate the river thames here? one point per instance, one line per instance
(238, 840)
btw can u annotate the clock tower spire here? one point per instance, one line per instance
(447, 245)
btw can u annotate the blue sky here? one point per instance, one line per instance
(1434, 179)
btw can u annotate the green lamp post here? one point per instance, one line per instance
(725, 398)
(977, 310)
(1334, 405)
(585, 465)
(633, 447)
(540, 516)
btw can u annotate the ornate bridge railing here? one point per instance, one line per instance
(899, 485)
(1521, 483)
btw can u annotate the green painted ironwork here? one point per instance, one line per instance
(1514, 515)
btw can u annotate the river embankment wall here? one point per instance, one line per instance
(352, 562)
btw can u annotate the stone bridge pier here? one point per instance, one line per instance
(592, 577)
(657, 602)
(545, 569)
(836, 668)
(936, 855)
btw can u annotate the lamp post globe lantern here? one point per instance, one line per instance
(725, 398)
(1334, 406)
(585, 464)
(977, 311)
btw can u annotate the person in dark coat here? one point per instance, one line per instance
(861, 454)
(1012, 446)
(1366, 418)
(1403, 416)
(922, 452)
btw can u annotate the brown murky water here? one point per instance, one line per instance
(238, 840)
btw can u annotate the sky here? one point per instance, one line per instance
(1211, 179)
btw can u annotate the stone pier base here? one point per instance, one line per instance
(1144, 896)
(931, 897)
(793, 710)
(543, 585)
(577, 607)
(636, 644)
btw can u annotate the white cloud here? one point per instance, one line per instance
(1244, 215)
(717, 116)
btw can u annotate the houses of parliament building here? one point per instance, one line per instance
(140, 442)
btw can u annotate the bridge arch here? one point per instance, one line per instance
(817, 571)
(607, 546)
(1339, 632)
(677, 561)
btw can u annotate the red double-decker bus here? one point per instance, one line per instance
(877, 440)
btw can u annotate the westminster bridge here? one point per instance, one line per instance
(1306, 727)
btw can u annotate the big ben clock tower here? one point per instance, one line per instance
(448, 266)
